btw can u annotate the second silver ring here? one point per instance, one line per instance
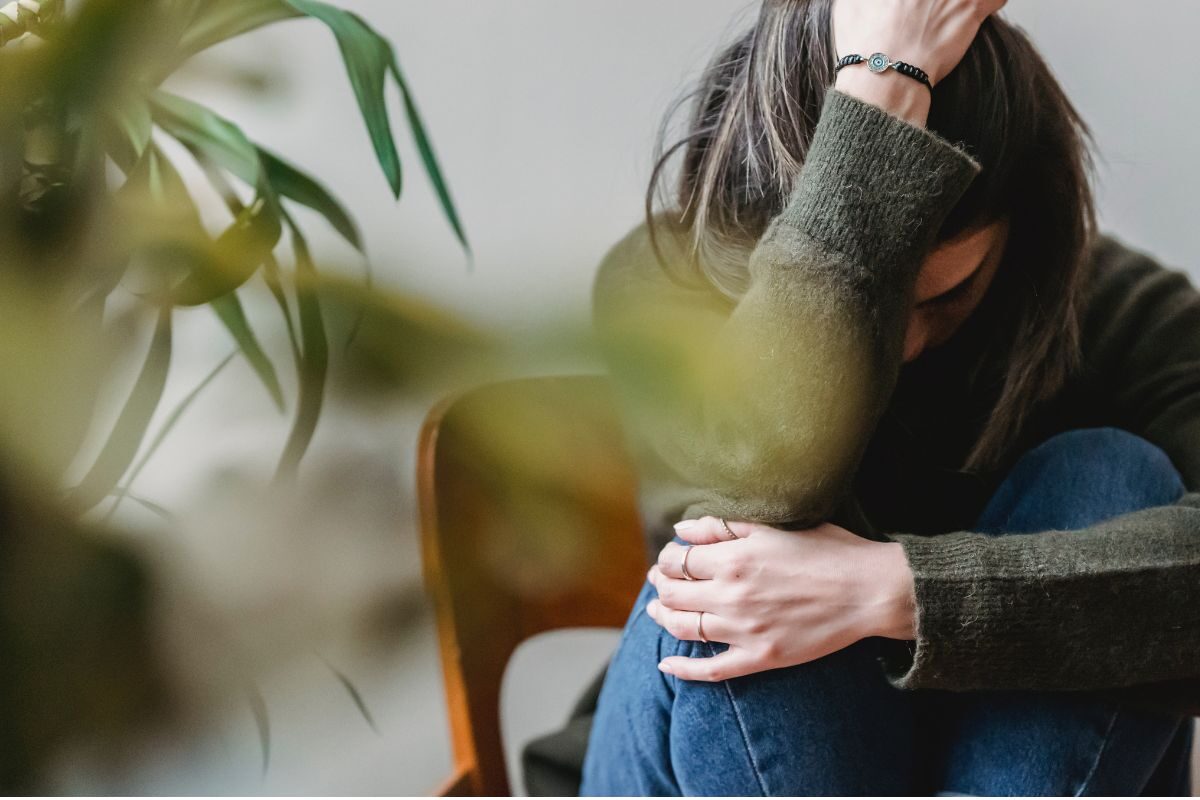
(687, 548)
(728, 531)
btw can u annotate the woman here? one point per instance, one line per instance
(877, 340)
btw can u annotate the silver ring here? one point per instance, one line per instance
(687, 548)
(725, 525)
(700, 626)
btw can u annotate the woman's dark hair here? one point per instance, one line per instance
(756, 107)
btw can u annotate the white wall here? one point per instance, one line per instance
(543, 113)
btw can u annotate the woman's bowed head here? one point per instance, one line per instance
(777, 597)
(1009, 255)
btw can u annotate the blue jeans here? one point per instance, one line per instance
(835, 726)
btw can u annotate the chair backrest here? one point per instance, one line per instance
(529, 523)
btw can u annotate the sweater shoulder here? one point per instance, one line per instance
(641, 271)
(1116, 268)
(1129, 293)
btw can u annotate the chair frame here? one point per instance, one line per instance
(480, 618)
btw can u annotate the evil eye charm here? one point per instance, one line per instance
(878, 62)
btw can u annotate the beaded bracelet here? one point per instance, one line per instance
(878, 62)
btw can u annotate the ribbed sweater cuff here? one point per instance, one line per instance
(875, 187)
(1054, 610)
(944, 570)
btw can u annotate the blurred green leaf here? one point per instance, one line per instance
(351, 690)
(428, 158)
(152, 507)
(367, 57)
(129, 116)
(315, 363)
(165, 233)
(94, 49)
(273, 277)
(131, 425)
(207, 132)
(258, 707)
(405, 341)
(166, 427)
(154, 176)
(294, 184)
(217, 20)
(233, 258)
(229, 309)
(246, 244)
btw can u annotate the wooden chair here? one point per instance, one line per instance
(529, 523)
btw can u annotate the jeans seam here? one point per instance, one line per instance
(737, 714)
(1091, 773)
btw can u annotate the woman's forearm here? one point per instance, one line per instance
(896, 94)
(768, 408)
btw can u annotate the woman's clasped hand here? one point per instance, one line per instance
(776, 597)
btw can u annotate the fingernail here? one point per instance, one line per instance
(647, 608)
(684, 524)
(664, 666)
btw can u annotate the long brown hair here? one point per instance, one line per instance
(755, 110)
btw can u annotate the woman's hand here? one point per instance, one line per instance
(778, 598)
(931, 34)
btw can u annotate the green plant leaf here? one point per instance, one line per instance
(273, 277)
(233, 258)
(207, 132)
(131, 124)
(229, 309)
(262, 721)
(122, 445)
(367, 57)
(289, 181)
(168, 237)
(352, 690)
(218, 20)
(428, 158)
(153, 507)
(315, 364)
(155, 195)
(159, 437)
(249, 241)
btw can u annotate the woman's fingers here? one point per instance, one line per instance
(709, 530)
(730, 663)
(702, 562)
(682, 624)
(684, 595)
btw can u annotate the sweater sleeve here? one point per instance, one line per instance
(1115, 605)
(767, 403)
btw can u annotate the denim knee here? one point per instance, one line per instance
(1081, 477)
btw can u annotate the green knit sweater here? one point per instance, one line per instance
(755, 410)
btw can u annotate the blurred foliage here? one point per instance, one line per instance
(101, 242)
(89, 99)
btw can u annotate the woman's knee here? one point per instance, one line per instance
(628, 749)
(1081, 477)
(794, 730)
(1111, 456)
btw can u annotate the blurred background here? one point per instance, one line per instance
(296, 611)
